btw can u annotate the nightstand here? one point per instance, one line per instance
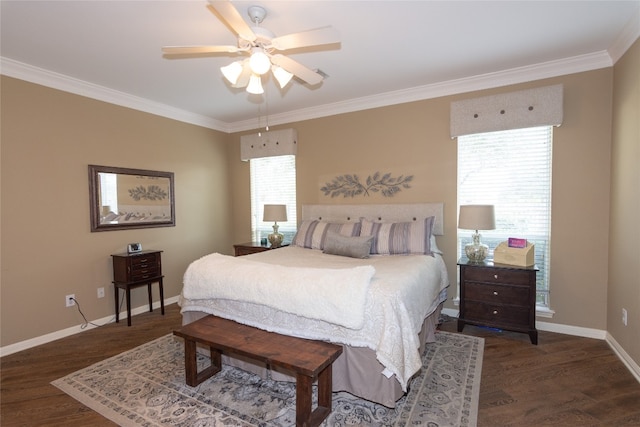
(131, 270)
(499, 296)
(252, 248)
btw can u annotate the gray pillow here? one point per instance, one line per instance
(354, 247)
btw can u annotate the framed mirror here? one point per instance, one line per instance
(122, 198)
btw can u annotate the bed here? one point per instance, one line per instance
(382, 308)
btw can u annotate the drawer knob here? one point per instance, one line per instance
(495, 276)
(495, 311)
(495, 292)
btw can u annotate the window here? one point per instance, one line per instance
(512, 171)
(273, 181)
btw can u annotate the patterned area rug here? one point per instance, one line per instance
(146, 387)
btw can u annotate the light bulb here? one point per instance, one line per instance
(282, 76)
(255, 85)
(259, 62)
(232, 71)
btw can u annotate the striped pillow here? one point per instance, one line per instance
(313, 233)
(398, 238)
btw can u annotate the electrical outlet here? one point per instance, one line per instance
(100, 292)
(70, 300)
(624, 316)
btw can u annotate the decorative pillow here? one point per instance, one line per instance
(312, 233)
(354, 247)
(398, 238)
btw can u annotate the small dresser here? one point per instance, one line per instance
(132, 270)
(498, 296)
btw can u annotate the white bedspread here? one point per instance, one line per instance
(403, 291)
(335, 295)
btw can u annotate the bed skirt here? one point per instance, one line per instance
(356, 371)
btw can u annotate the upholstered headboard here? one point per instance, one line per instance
(382, 212)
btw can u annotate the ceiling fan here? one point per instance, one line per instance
(262, 48)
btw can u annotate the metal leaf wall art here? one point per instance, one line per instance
(349, 185)
(151, 192)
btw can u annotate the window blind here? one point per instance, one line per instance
(273, 181)
(512, 171)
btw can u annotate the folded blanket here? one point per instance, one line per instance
(335, 296)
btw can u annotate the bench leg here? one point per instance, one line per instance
(304, 416)
(192, 377)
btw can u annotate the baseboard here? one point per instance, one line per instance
(33, 342)
(543, 326)
(580, 332)
(552, 327)
(577, 331)
(624, 356)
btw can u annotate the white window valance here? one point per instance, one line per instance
(267, 144)
(527, 108)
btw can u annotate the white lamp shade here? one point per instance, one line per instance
(259, 62)
(477, 217)
(282, 76)
(275, 213)
(232, 71)
(255, 85)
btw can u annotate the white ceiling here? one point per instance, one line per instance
(391, 51)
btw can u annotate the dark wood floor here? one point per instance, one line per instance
(563, 381)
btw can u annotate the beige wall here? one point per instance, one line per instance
(413, 138)
(624, 261)
(48, 139)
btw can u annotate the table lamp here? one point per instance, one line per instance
(476, 217)
(275, 213)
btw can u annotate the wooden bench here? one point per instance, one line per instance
(310, 360)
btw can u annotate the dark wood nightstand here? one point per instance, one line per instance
(252, 248)
(499, 296)
(131, 270)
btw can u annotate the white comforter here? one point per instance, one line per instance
(324, 295)
(403, 291)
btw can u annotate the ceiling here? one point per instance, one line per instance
(390, 51)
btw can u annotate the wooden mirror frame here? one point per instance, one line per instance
(155, 213)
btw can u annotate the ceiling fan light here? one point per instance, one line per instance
(255, 85)
(282, 76)
(259, 62)
(232, 71)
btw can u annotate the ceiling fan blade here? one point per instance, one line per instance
(225, 10)
(189, 50)
(297, 69)
(315, 37)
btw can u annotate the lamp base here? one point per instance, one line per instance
(476, 251)
(275, 238)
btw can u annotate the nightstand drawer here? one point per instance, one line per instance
(144, 273)
(494, 293)
(497, 275)
(144, 261)
(496, 314)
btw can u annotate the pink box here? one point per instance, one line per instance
(517, 243)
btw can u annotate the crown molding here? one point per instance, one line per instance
(534, 72)
(544, 70)
(19, 70)
(629, 34)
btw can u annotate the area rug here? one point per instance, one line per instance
(146, 387)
